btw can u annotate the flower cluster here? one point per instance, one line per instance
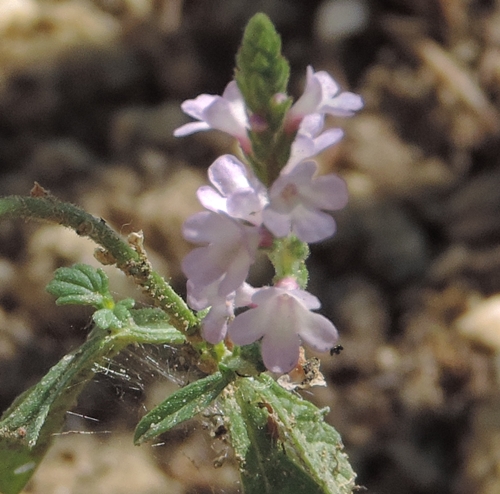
(243, 215)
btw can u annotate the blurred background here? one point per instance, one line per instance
(89, 96)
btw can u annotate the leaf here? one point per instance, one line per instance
(27, 427)
(309, 440)
(151, 325)
(150, 317)
(264, 467)
(82, 285)
(182, 405)
(282, 442)
(105, 319)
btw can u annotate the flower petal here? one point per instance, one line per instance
(312, 225)
(280, 351)
(236, 273)
(243, 296)
(310, 99)
(226, 113)
(246, 205)
(246, 327)
(191, 128)
(195, 107)
(228, 174)
(214, 326)
(312, 124)
(327, 192)
(199, 227)
(307, 299)
(319, 333)
(200, 266)
(279, 224)
(343, 105)
(223, 115)
(210, 199)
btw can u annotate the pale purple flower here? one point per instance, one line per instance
(298, 201)
(322, 95)
(283, 319)
(310, 141)
(226, 113)
(229, 250)
(238, 192)
(214, 324)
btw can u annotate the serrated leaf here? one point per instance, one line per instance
(94, 279)
(182, 405)
(106, 319)
(264, 466)
(309, 440)
(82, 285)
(27, 427)
(282, 441)
(126, 303)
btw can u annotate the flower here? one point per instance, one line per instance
(297, 202)
(310, 141)
(226, 113)
(214, 324)
(238, 192)
(283, 319)
(322, 96)
(229, 250)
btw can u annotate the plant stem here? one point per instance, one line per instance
(129, 257)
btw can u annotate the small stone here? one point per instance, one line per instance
(481, 324)
(338, 19)
(18, 14)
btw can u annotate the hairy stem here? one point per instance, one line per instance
(130, 257)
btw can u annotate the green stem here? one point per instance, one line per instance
(132, 261)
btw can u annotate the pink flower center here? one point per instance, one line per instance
(287, 283)
(290, 193)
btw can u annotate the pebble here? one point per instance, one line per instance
(481, 324)
(20, 14)
(339, 19)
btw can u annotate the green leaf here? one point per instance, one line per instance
(27, 427)
(150, 317)
(82, 285)
(181, 406)
(282, 442)
(264, 467)
(151, 325)
(106, 319)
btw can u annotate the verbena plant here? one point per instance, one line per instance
(269, 199)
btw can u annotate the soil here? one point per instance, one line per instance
(90, 92)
